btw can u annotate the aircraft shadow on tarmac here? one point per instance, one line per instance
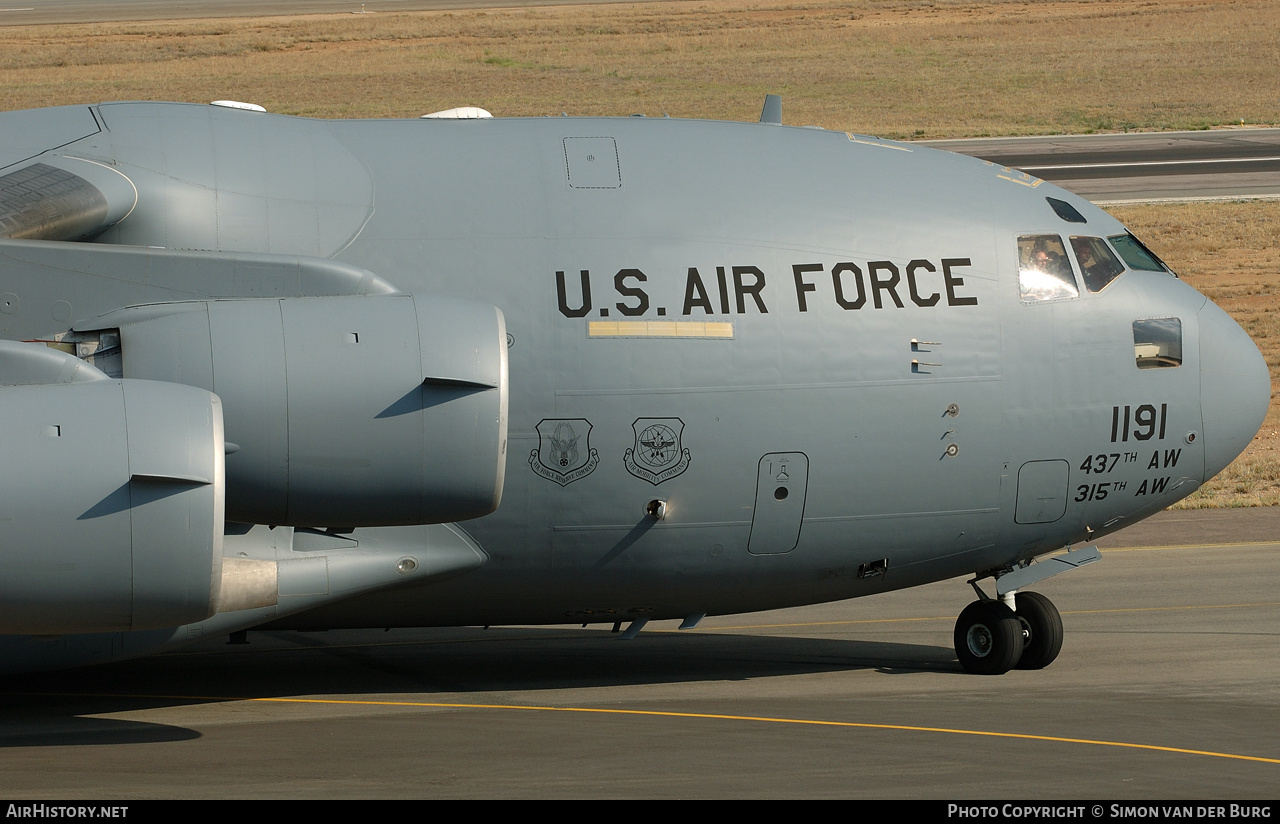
(66, 721)
(54, 709)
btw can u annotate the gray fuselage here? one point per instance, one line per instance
(811, 348)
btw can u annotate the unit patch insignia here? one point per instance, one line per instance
(657, 455)
(564, 453)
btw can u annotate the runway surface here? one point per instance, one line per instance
(1222, 163)
(1168, 686)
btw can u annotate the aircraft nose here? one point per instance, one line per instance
(1235, 388)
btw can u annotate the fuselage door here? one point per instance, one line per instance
(781, 482)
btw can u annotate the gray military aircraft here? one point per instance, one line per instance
(262, 371)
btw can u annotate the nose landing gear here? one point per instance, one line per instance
(992, 639)
(1021, 629)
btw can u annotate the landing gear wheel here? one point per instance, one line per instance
(988, 638)
(1041, 630)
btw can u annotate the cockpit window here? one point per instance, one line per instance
(1066, 211)
(1044, 271)
(1137, 256)
(1157, 342)
(1098, 263)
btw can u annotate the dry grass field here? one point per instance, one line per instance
(898, 68)
(1229, 251)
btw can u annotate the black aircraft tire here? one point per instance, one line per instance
(988, 638)
(1042, 628)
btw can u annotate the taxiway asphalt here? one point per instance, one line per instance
(1168, 686)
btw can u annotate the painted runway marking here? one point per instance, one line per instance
(949, 618)
(1157, 547)
(1123, 164)
(811, 722)
(1188, 199)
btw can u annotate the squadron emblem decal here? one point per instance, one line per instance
(657, 455)
(564, 454)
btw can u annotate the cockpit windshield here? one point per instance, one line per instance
(1097, 262)
(1044, 270)
(1136, 255)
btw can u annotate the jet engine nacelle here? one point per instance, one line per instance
(111, 503)
(341, 411)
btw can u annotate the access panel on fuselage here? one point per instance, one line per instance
(1042, 492)
(781, 482)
